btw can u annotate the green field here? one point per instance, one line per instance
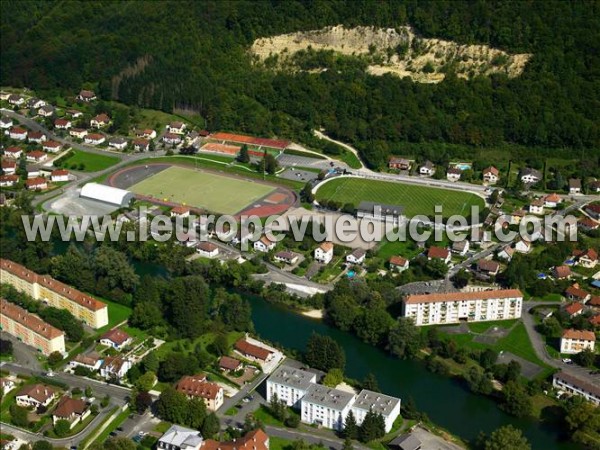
(92, 162)
(415, 199)
(217, 193)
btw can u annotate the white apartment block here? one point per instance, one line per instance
(326, 407)
(575, 341)
(388, 407)
(576, 386)
(448, 308)
(289, 384)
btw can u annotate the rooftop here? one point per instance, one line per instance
(28, 320)
(328, 397)
(464, 296)
(386, 210)
(582, 335)
(292, 377)
(379, 403)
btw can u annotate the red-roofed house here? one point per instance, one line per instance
(36, 136)
(324, 252)
(62, 124)
(197, 386)
(100, 121)
(94, 139)
(574, 309)
(86, 96)
(115, 367)
(588, 259)
(562, 272)
(264, 244)
(575, 341)
(180, 211)
(59, 175)
(35, 395)
(18, 133)
(70, 409)
(253, 351)
(141, 145)
(552, 200)
(51, 146)
(13, 152)
(207, 249)
(171, 138)
(254, 440)
(488, 267)
(229, 364)
(8, 180)
(78, 133)
(439, 253)
(595, 321)
(36, 156)
(593, 209)
(9, 167)
(176, 127)
(398, 263)
(115, 338)
(36, 184)
(577, 294)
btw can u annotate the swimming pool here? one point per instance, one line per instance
(463, 166)
(351, 274)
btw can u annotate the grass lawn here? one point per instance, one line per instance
(92, 162)
(351, 159)
(481, 327)
(415, 199)
(277, 443)
(216, 193)
(117, 313)
(112, 426)
(264, 415)
(406, 249)
(162, 427)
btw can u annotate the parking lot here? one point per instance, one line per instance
(298, 175)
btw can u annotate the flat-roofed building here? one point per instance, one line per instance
(289, 385)
(435, 309)
(387, 406)
(45, 288)
(379, 212)
(325, 406)
(576, 386)
(30, 329)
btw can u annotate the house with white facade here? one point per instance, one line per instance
(264, 244)
(94, 139)
(13, 152)
(17, 133)
(91, 362)
(78, 133)
(461, 247)
(537, 206)
(380, 212)
(356, 257)
(72, 410)
(324, 253)
(286, 257)
(59, 175)
(51, 146)
(438, 253)
(115, 367)
(552, 200)
(35, 395)
(289, 384)
(576, 386)
(117, 142)
(176, 127)
(427, 169)
(100, 121)
(207, 249)
(116, 339)
(447, 308)
(62, 124)
(453, 174)
(180, 438)
(491, 175)
(398, 263)
(575, 341)
(6, 123)
(325, 406)
(574, 186)
(523, 246)
(171, 138)
(530, 176)
(387, 406)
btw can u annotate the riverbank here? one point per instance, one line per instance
(313, 313)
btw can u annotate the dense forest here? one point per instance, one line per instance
(194, 55)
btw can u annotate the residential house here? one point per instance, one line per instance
(594, 302)
(289, 385)
(253, 440)
(453, 307)
(116, 339)
(587, 259)
(100, 121)
(207, 249)
(33, 172)
(146, 134)
(46, 111)
(90, 361)
(577, 294)
(17, 133)
(35, 395)
(16, 100)
(70, 409)
(197, 386)
(51, 146)
(594, 185)
(180, 438)
(593, 209)
(229, 364)
(171, 138)
(438, 253)
(13, 152)
(324, 253)
(595, 321)
(62, 124)
(35, 103)
(264, 244)
(398, 263)
(180, 211)
(387, 406)
(37, 156)
(552, 200)
(356, 257)
(286, 257)
(36, 136)
(577, 386)
(117, 142)
(75, 114)
(325, 406)
(380, 212)
(427, 169)
(517, 216)
(86, 96)
(115, 367)
(6, 123)
(587, 224)
(141, 145)
(460, 247)
(176, 127)
(405, 442)
(530, 176)
(253, 352)
(59, 175)
(523, 246)
(9, 167)
(78, 133)
(453, 174)
(575, 341)
(536, 206)
(6, 385)
(399, 163)
(574, 309)
(8, 180)
(94, 139)
(574, 186)
(36, 184)
(562, 272)
(488, 267)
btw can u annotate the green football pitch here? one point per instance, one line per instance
(415, 199)
(216, 193)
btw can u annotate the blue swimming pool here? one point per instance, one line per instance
(463, 166)
(351, 274)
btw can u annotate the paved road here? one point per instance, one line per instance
(22, 354)
(293, 435)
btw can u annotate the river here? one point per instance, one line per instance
(445, 400)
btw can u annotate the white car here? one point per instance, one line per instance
(567, 361)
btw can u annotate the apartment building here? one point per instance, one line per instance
(325, 406)
(45, 288)
(289, 385)
(577, 386)
(575, 341)
(30, 329)
(436, 309)
(387, 406)
(198, 386)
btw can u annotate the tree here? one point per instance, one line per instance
(350, 426)
(196, 413)
(175, 365)
(513, 371)
(105, 401)
(54, 358)
(146, 381)
(334, 377)
(324, 353)
(292, 421)
(6, 347)
(188, 305)
(88, 391)
(488, 358)
(211, 426)
(370, 383)
(243, 156)
(342, 311)
(150, 363)
(405, 339)
(478, 381)
(172, 406)
(372, 427)
(18, 416)
(269, 164)
(42, 445)
(516, 401)
(235, 313)
(585, 358)
(62, 427)
(348, 444)
(143, 401)
(278, 408)
(461, 279)
(507, 437)
(119, 443)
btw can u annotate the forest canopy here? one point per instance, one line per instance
(194, 55)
